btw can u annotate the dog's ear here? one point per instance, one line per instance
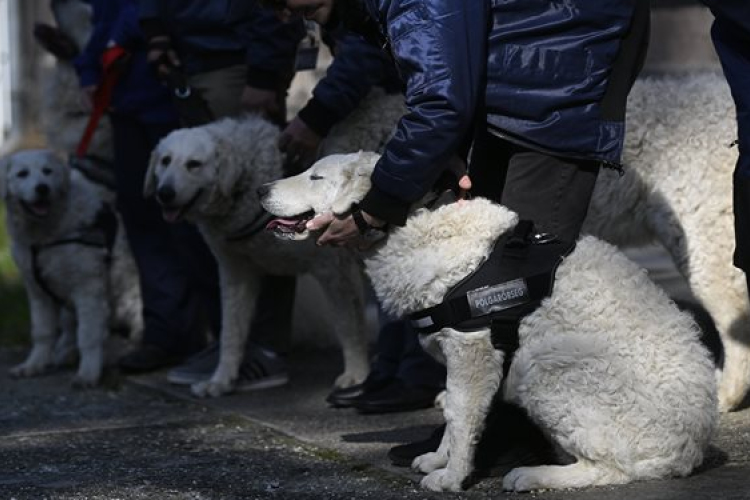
(228, 166)
(149, 182)
(356, 171)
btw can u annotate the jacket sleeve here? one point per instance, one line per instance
(88, 62)
(151, 16)
(440, 50)
(357, 66)
(126, 31)
(271, 46)
(735, 12)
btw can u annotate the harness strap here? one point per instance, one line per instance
(101, 234)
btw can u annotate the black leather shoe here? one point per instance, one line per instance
(403, 455)
(147, 358)
(343, 398)
(396, 397)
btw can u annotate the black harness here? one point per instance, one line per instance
(508, 285)
(100, 234)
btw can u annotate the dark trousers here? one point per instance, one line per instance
(400, 355)
(177, 271)
(552, 191)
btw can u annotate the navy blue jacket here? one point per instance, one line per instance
(358, 65)
(731, 37)
(534, 71)
(137, 92)
(214, 34)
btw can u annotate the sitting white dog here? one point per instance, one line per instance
(68, 244)
(608, 367)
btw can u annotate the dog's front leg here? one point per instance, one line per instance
(92, 314)
(474, 375)
(239, 291)
(43, 329)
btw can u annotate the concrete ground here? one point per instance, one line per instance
(140, 438)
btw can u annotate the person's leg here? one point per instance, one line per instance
(170, 308)
(418, 378)
(554, 192)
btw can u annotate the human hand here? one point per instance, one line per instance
(162, 56)
(300, 143)
(343, 231)
(262, 101)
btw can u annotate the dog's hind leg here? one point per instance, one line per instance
(578, 475)
(239, 293)
(706, 263)
(44, 318)
(474, 375)
(345, 287)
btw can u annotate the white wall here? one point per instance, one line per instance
(6, 108)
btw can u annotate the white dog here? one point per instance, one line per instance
(608, 367)
(69, 247)
(677, 191)
(210, 175)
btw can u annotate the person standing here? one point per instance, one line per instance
(170, 258)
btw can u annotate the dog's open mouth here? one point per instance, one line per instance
(39, 208)
(290, 228)
(175, 213)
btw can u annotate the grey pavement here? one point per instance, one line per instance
(140, 438)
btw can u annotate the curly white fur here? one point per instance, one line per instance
(609, 368)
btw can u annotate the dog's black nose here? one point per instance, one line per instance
(42, 190)
(263, 190)
(165, 194)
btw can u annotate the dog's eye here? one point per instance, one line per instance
(314, 177)
(166, 160)
(46, 171)
(22, 174)
(193, 164)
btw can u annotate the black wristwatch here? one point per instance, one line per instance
(367, 230)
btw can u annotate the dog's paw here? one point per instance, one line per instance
(429, 462)
(521, 479)
(27, 369)
(211, 389)
(348, 379)
(443, 480)
(84, 382)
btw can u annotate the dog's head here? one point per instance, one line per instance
(333, 184)
(188, 169)
(33, 181)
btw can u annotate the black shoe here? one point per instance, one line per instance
(343, 398)
(147, 358)
(403, 455)
(396, 397)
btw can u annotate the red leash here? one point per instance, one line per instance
(112, 63)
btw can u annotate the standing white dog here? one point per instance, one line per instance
(69, 247)
(608, 367)
(210, 175)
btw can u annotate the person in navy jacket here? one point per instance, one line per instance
(531, 94)
(171, 259)
(540, 90)
(731, 36)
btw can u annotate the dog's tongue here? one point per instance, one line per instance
(40, 208)
(170, 215)
(286, 225)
